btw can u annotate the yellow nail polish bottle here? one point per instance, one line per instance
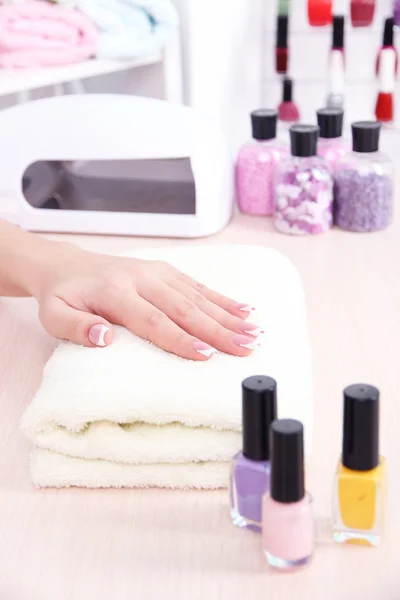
(358, 508)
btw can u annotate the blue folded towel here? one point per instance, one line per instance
(130, 28)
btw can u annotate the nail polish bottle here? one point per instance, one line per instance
(256, 165)
(388, 44)
(396, 12)
(287, 515)
(250, 471)
(283, 7)
(319, 12)
(362, 12)
(336, 84)
(358, 509)
(282, 54)
(288, 111)
(331, 145)
(384, 109)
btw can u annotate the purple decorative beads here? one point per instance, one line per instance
(304, 196)
(363, 182)
(364, 201)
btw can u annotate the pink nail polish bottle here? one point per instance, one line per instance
(256, 165)
(287, 515)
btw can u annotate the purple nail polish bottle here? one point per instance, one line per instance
(250, 472)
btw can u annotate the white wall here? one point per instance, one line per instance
(222, 50)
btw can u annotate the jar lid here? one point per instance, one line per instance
(366, 136)
(263, 124)
(303, 140)
(330, 122)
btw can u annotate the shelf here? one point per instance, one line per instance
(18, 80)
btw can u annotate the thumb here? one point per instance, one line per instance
(67, 323)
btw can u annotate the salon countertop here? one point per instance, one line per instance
(77, 544)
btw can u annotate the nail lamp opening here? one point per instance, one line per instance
(113, 164)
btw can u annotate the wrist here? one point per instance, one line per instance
(44, 265)
(29, 262)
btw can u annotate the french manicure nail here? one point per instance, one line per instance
(96, 334)
(245, 341)
(250, 329)
(245, 307)
(204, 349)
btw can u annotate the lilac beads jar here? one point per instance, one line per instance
(331, 146)
(364, 183)
(256, 165)
(304, 186)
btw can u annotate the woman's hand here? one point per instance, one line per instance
(81, 294)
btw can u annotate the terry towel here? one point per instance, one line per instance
(130, 28)
(133, 415)
(38, 34)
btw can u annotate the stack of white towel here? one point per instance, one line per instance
(132, 415)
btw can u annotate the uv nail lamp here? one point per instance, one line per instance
(113, 164)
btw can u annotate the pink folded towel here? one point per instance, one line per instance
(38, 34)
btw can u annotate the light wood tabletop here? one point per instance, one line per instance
(81, 544)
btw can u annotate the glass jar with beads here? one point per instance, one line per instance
(303, 186)
(364, 183)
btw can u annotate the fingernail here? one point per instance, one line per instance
(96, 334)
(245, 307)
(245, 342)
(250, 329)
(204, 349)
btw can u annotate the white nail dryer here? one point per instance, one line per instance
(113, 164)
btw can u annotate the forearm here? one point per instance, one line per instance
(22, 260)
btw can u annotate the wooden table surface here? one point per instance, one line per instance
(120, 544)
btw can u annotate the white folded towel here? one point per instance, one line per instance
(133, 415)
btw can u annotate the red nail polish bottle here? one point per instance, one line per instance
(384, 110)
(319, 12)
(362, 12)
(282, 53)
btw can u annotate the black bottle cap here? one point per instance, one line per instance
(338, 32)
(263, 124)
(366, 136)
(282, 31)
(303, 140)
(259, 410)
(287, 461)
(360, 427)
(388, 30)
(287, 89)
(330, 122)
